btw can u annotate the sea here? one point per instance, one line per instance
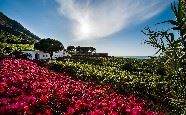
(135, 57)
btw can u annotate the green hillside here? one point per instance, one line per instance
(13, 32)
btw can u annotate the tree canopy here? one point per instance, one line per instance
(49, 46)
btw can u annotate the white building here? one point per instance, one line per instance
(41, 55)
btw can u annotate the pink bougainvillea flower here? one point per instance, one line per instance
(48, 111)
(3, 87)
(26, 88)
(70, 110)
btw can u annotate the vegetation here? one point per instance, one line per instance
(14, 33)
(49, 46)
(19, 47)
(172, 48)
(29, 89)
(160, 81)
(14, 36)
(71, 50)
(146, 78)
(172, 54)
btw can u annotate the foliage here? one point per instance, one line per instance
(17, 46)
(7, 50)
(14, 36)
(49, 46)
(172, 53)
(13, 32)
(26, 88)
(1, 55)
(71, 50)
(146, 78)
(172, 49)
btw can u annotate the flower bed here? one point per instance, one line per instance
(26, 88)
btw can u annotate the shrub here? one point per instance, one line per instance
(26, 88)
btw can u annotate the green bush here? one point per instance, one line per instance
(146, 78)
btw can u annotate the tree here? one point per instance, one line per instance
(78, 50)
(171, 44)
(18, 54)
(1, 47)
(7, 50)
(49, 46)
(172, 49)
(71, 49)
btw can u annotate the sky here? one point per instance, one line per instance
(111, 26)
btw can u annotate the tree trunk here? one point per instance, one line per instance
(51, 54)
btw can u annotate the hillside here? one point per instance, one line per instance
(13, 32)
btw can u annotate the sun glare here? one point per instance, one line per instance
(85, 29)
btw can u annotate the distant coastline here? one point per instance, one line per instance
(135, 57)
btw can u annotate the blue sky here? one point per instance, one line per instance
(112, 26)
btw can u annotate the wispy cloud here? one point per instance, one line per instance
(92, 19)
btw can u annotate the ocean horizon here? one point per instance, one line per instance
(135, 57)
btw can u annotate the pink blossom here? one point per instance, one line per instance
(70, 110)
(26, 88)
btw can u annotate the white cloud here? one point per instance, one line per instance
(92, 19)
